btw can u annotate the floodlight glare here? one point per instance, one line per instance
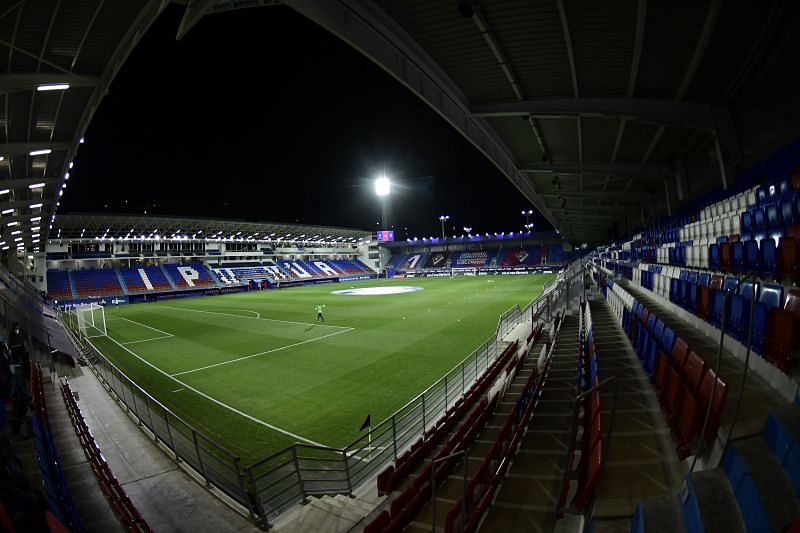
(53, 87)
(40, 152)
(382, 186)
(5, 191)
(36, 206)
(36, 185)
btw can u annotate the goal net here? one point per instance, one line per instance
(91, 320)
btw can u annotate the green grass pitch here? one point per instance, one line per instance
(255, 372)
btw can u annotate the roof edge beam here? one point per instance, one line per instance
(668, 112)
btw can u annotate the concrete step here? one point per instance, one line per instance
(719, 511)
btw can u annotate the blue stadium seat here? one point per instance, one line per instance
(771, 295)
(769, 257)
(713, 256)
(658, 331)
(704, 279)
(746, 222)
(784, 187)
(737, 256)
(762, 195)
(772, 216)
(737, 311)
(749, 290)
(760, 315)
(759, 220)
(751, 261)
(690, 301)
(787, 213)
(667, 340)
(651, 322)
(796, 207)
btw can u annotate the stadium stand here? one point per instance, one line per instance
(97, 282)
(189, 275)
(58, 285)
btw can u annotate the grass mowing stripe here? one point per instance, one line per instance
(262, 353)
(209, 398)
(252, 317)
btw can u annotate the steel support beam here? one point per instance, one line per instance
(633, 170)
(667, 112)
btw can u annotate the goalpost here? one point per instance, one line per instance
(91, 320)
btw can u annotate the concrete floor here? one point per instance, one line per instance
(168, 497)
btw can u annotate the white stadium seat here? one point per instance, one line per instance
(735, 224)
(751, 197)
(703, 257)
(726, 226)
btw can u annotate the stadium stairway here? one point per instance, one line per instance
(758, 396)
(72, 285)
(121, 282)
(642, 459)
(168, 277)
(451, 490)
(527, 498)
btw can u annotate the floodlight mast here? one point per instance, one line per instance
(442, 219)
(382, 188)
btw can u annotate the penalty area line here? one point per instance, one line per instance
(253, 318)
(210, 398)
(262, 353)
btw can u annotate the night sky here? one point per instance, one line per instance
(261, 115)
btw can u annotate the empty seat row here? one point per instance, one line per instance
(684, 386)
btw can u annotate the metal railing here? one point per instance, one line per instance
(289, 476)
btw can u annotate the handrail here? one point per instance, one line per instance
(725, 299)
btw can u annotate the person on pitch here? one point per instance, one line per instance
(319, 309)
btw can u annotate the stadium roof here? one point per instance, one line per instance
(90, 226)
(600, 112)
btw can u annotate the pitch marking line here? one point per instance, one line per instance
(210, 398)
(262, 353)
(148, 340)
(146, 326)
(254, 318)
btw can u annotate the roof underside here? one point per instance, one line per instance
(91, 226)
(590, 107)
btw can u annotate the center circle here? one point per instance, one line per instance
(377, 291)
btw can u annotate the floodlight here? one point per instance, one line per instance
(5, 191)
(36, 206)
(53, 87)
(40, 152)
(382, 186)
(13, 223)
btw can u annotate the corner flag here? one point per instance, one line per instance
(367, 423)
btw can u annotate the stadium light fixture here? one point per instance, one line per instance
(5, 191)
(36, 206)
(36, 185)
(40, 152)
(52, 87)
(527, 214)
(13, 223)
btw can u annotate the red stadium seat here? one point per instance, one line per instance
(674, 393)
(402, 500)
(588, 478)
(378, 523)
(725, 257)
(717, 402)
(680, 352)
(693, 370)
(645, 315)
(660, 371)
(703, 301)
(384, 479)
(792, 302)
(716, 282)
(781, 339)
(687, 424)
(787, 258)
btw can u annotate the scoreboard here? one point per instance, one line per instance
(385, 235)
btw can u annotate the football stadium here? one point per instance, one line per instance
(383, 266)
